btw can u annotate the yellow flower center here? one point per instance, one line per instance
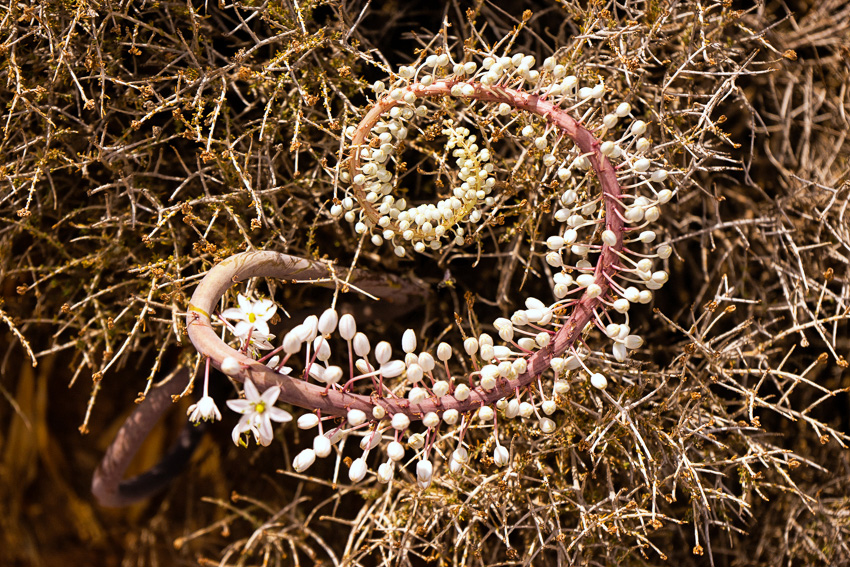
(251, 317)
(260, 407)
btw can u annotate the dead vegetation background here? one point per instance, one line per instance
(143, 141)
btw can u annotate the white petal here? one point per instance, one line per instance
(265, 309)
(279, 415)
(243, 328)
(270, 396)
(239, 406)
(233, 313)
(244, 304)
(251, 392)
(265, 430)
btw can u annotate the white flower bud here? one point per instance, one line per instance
(542, 339)
(361, 344)
(501, 456)
(440, 388)
(470, 345)
(331, 374)
(512, 409)
(645, 296)
(426, 361)
(609, 238)
(231, 366)
(385, 473)
(414, 372)
(621, 305)
(549, 407)
(450, 416)
(487, 352)
(555, 242)
(400, 422)
(632, 294)
(526, 409)
(633, 341)
(417, 395)
(416, 441)
(357, 470)
(620, 352)
(641, 165)
(597, 380)
(392, 368)
(598, 91)
(647, 236)
(431, 420)
(322, 349)
(395, 451)
(303, 460)
(461, 455)
(585, 280)
(486, 414)
(408, 341)
(310, 328)
(317, 372)
(664, 196)
(623, 109)
(424, 470)
(547, 425)
(347, 327)
(652, 214)
(370, 441)
(321, 446)
(638, 127)
(610, 120)
(356, 417)
(378, 412)
(444, 351)
(658, 175)
(308, 421)
(561, 387)
(462, 392)
(383, 352)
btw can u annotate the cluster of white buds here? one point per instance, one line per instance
(504, 85)
(593, 159)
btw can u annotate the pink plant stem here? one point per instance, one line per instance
(271, 264)
(108, 485)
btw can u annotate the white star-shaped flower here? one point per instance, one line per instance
(258, 412)
(252, 316)
(204, 410)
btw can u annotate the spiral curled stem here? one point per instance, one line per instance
(271, 264)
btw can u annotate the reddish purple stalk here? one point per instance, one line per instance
(271, 264)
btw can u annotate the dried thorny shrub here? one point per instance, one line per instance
(143, 143)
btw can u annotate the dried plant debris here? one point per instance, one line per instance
(144, 144)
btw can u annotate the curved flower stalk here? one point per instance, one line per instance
(545, 333)
(108, 484)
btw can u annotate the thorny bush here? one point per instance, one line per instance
(145, 144)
